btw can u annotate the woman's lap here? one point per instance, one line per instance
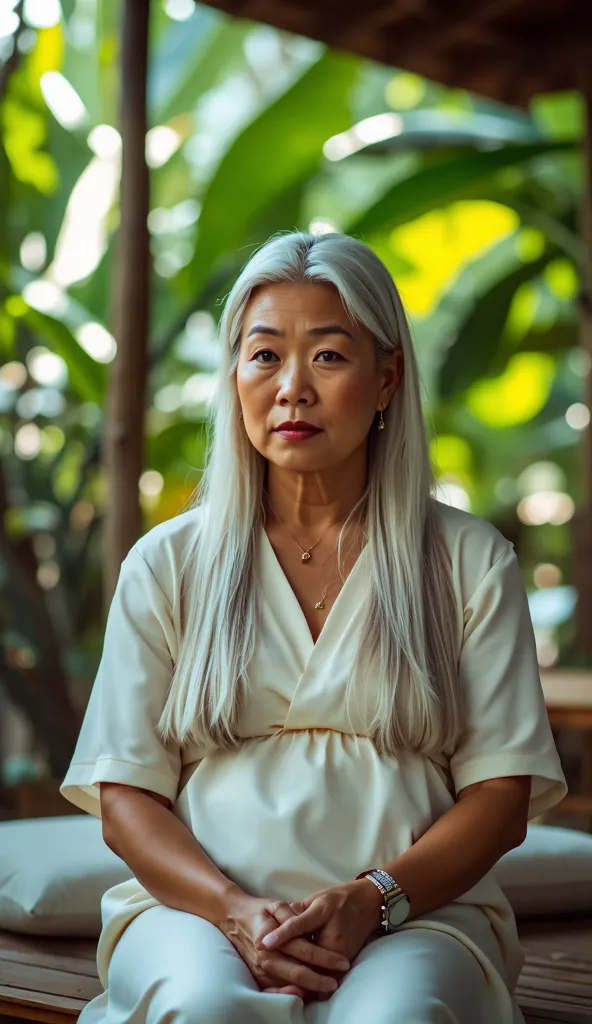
(170, 967)
(418, 976)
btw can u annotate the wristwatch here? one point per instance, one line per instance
(396, 904)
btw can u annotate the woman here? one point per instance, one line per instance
(318, 718)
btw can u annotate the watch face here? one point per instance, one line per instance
(398, 911)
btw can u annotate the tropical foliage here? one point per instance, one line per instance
(473, 208)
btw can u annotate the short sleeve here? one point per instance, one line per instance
(117, 741)
(506, 729)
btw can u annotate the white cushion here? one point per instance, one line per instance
(53, 873)
(551, 873)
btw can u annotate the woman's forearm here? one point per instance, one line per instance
(461, 846)
(164, 855)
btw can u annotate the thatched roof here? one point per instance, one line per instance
(505, 49)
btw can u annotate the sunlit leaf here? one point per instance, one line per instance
(24, 134)
(445, 181)
(561, 114)
(7, 335)
(518, 395)
(441, 242)
(451, 454)
(47, 55)
(522, 311)
(479, 335)
(562, 278)
(530, 244)
(405, 90)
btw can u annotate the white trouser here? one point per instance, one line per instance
(171, 967)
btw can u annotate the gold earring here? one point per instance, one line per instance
(240, 415)
(381, 423)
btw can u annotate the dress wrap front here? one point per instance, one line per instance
(306, 801)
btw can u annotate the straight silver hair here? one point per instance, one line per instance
(408, 640)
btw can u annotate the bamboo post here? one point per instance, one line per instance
(124, 421)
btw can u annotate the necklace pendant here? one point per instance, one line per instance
(320, 604)
(305, 556)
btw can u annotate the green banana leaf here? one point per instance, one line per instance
(282, 146)
(204, 48)
(444, 181)
(87, 377)
(478, 337)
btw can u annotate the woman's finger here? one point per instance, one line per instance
(286, 990)
(267, 983)
(283, 911)
(315, 956)
(304, 949)
(292, 972)
(305, 923)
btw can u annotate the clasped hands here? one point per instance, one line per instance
(273, 937)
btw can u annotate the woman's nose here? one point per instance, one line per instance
(294, 385)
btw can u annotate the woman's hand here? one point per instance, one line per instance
(299, 968)
(341, 918)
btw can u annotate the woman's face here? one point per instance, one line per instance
(302, 359)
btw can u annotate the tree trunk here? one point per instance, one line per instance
(124, 424)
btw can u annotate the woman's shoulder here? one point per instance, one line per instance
(474, 545)
(165, 547)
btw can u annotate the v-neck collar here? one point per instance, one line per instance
(291, 602)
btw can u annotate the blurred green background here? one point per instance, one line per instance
(472, 206)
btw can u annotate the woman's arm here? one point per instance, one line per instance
(168, 861)
(140, 828)
(488, 819)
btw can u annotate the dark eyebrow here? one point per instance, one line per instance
(329, 329)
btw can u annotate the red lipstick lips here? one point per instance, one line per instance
(297, 430)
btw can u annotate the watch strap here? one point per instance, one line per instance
(391, 891)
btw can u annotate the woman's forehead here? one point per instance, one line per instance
(285, 302)
(293, 294)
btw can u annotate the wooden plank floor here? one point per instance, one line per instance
(46, 979)
(51, 979)
(556, 981)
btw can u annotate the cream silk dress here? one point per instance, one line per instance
(306, 801)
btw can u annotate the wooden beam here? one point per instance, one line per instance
(462, 44)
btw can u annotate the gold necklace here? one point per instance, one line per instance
(320, 604)
(306, 552)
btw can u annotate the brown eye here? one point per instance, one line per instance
(330, 352)
(263, 352)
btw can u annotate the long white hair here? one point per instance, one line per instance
(408, 637)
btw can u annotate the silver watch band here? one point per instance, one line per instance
(377, 883)
(392, 893)
(387, 880)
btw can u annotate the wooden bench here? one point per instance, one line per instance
(568, 697)
(46, 979)
(51, 979)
